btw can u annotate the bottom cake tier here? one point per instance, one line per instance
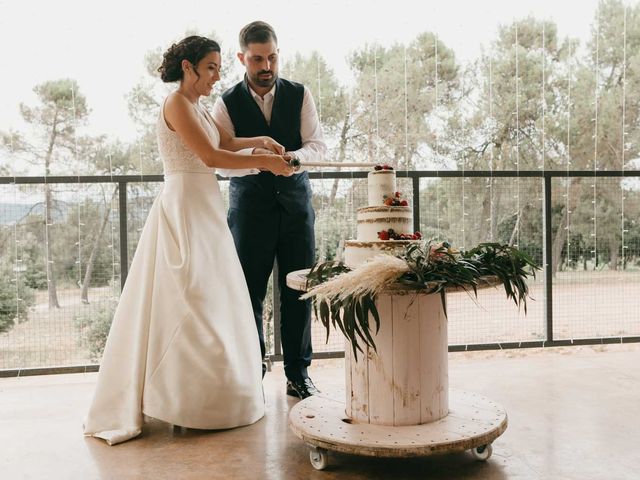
(357, 252)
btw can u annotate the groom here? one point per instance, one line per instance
(271, 217)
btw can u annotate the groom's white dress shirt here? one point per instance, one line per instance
(313, 147)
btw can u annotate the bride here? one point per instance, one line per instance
(183, 345)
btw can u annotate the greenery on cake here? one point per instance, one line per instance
(345, 299)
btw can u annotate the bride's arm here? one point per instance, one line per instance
(229, 141)
(182, 118)
(234, 144)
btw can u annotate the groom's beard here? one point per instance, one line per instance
(264, 81)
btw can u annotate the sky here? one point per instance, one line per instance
(102, 44)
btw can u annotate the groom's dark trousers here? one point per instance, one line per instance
(271, 218)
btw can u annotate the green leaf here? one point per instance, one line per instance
(432, 269)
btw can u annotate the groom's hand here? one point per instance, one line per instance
(273, 146)
(277, 165)
(262, 151)
(293, 160)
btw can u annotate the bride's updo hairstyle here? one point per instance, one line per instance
(193, 49)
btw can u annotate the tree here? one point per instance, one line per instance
(509, 118)
(331, 103)
(106, 158)
(400, 94)
(602, 97)
(15, 298)
(351, 117)
(60, 109)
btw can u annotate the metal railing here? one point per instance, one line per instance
(546, 178)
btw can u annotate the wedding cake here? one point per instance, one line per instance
(385, 225)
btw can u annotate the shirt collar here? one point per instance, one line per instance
(271, 92)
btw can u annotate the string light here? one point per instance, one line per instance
(375, 91)
(319, 89)
(140, 156)
(17, 267)
(46, 229)
(114, 296)
(323, 205)
(544, 110)
(464, 211)
(517, 226)
(623, 134)
(348, 220)
(406, 112)
(594, 235)
(79, 198)
(463, 181)
(544, 98)
(435, 144)
(491, 122)
(353, 186)
(569, 181)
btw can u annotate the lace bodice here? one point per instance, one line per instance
(175, 156)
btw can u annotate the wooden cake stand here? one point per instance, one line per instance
(398, 402)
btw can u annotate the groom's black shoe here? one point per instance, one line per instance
(302, 388)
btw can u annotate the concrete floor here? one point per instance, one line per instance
(574, 413)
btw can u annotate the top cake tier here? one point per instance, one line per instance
(381, 183)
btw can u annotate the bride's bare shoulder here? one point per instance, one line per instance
(176, 101)
(178, 109)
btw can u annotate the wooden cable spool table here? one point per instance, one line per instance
(398, 402)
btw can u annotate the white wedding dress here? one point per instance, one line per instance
(183, 345)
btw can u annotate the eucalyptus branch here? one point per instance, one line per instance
(345, 299)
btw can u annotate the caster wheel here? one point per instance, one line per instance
(482, 452)
(319, 458)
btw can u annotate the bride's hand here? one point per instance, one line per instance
(276, 164)
(262, 151)
(271, 145)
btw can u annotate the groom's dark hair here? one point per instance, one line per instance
(256, 32)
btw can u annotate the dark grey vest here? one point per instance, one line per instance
(248, 121)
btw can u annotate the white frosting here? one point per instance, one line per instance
(380, 183)
(356, 252)
(372, 220)
(378, 217)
